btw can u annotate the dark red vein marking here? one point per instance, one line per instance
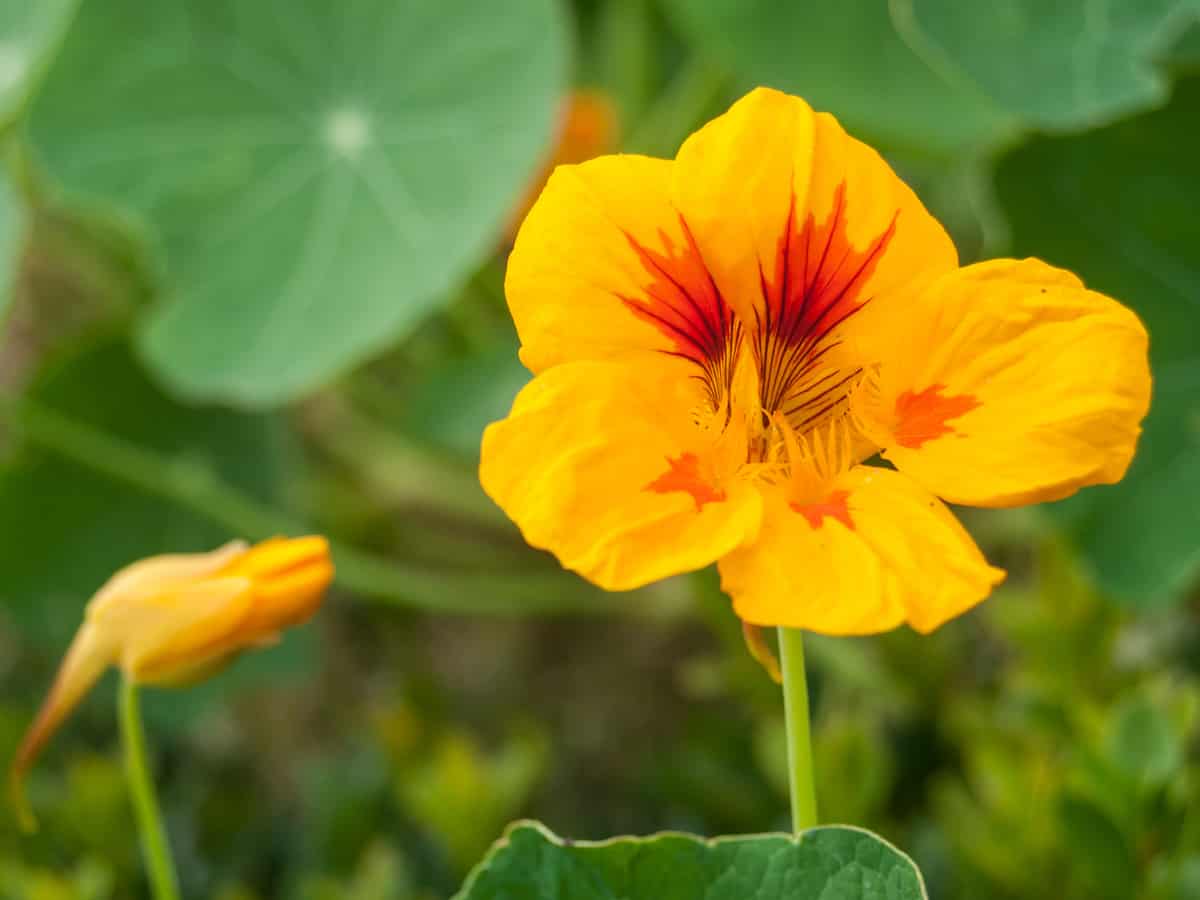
(814, 288)
(683, 302)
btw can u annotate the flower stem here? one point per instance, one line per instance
(157, 853)
(799, 744)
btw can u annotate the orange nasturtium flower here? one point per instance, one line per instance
(172, 620)
(722, 341)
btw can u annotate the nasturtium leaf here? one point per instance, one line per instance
(834, 863)
(30, 31)
(1118, 207)
(11, 231)
(1067, 64)
(314, 176)
(64, 527)
(850, 61)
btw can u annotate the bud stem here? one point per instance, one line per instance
(155, 849)
(799, 744)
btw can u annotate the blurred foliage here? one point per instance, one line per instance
(10, 239)
(302, 211)
(100, 386)
(848, 62)
(1082, 62)
(31, 32)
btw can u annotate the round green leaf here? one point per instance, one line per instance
(315, 176)
(1118, 207)
(1068, 64)
(29, 32)
(851, 63)
(836, 863)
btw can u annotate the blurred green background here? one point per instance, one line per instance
(252, 258)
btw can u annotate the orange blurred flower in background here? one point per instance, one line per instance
(721, 341)
(175, 619)
(587, 127)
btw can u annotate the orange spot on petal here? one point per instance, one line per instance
(684, 475)
(832, 507)
(922, 416)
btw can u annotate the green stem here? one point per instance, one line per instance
(155, 849)
(799, 743)
(366, 574)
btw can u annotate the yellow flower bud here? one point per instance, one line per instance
(175, 619)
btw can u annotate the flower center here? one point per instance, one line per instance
(802, 371)
(815, 286)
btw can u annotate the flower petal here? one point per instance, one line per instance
(151, 575)
(290, 577)
(603, 464)
(169, 635)
(604, 264)
(876, 551)
(799, 222)
(1010, 383)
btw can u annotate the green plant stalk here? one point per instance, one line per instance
(799, 741)
(155, 849)
(370, 576)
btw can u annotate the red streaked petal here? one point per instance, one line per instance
(605, 265)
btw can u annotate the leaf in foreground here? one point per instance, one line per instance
(833, 863)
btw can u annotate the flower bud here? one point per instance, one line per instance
(174, 619)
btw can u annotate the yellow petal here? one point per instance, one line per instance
(182, 629)
(604, 264)
(603, 465)
(290, 578)
(151, 575)
(797, 220)
(871, 552)
(1007, 383)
